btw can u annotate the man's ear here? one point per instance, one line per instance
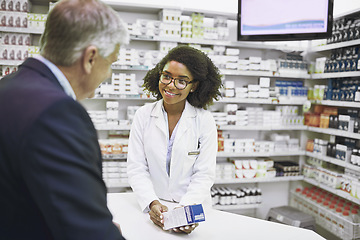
(90, 56)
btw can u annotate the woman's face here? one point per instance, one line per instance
(174, 97)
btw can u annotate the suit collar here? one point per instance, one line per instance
(42, 69)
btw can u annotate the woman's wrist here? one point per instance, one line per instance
(155, 202)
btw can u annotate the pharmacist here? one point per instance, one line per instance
(173, 142)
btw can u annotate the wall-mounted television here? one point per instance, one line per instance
(284, 20)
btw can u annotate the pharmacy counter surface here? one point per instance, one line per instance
(218, 225)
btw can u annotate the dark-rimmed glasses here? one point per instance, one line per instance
(180, 83)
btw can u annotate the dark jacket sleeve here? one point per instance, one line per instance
(62, 169)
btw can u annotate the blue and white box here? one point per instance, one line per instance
(183, 216)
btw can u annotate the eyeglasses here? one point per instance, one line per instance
(179, 83)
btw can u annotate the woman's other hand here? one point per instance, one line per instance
(156, 210)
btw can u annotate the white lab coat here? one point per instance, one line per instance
(193, 157)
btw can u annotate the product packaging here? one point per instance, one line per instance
(183, 216)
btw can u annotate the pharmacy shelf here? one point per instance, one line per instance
(236, 207)
(258, 180)
(337, 103)
(257, 154)
(118, 185)
(227, 154)
(335, 75)
(105, 127)
(264, 74)
(328, 159)
(121, 97)
(335, 132)
(334, 161)
(121, 67)
(115, 66)
(247, 73)
(21, 30)
(237, 44)
(273, 101)
(10, 62)
(332, 46)
(114, 156)
(261, 128)
(337, 192)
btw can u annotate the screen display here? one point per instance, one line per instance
(277, 18)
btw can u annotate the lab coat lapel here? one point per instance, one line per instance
(158, 114)
(185, 122)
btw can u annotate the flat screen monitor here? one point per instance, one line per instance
(284, 20)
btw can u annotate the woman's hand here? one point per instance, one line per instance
(186, 229)
(156, 210)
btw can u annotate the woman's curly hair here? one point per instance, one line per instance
(200, 66)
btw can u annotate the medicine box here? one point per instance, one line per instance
(183, 216)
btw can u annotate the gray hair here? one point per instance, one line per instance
(73, 25)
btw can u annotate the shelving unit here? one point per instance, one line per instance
(237, 207)
(337, 192)
(335, 132)
(259, 180)
(254, 154)
(261, 49)
(328, 133)
(273, 193)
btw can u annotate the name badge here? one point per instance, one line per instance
(194, 153)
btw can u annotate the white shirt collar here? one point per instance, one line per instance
(59, 76)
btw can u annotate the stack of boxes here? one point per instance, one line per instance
(245, 169)
(222, 29)
(98, 118)
(114, 173)
(110, 117)
(232, 58)
(291, 90)
(14, 13)
(33, 51)
(146, 59)
(257, 116)
(127, 57)
(36, 21)
(186, 27)
(110, 148)
(225, 171)
(293, 64)
(251, 168)
(239, 145)
(171, 23)
(284, 143)
(146, 28)
(112, 113)
(330, 117)
(122, 84)
(289, 115)
(210, 31)
(14, 46)
(287, 169)
(261, 90)
(197, 21)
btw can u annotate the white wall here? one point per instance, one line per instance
(229, 6)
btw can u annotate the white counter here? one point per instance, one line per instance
(218, 225)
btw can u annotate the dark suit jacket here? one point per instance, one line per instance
(51, 183)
